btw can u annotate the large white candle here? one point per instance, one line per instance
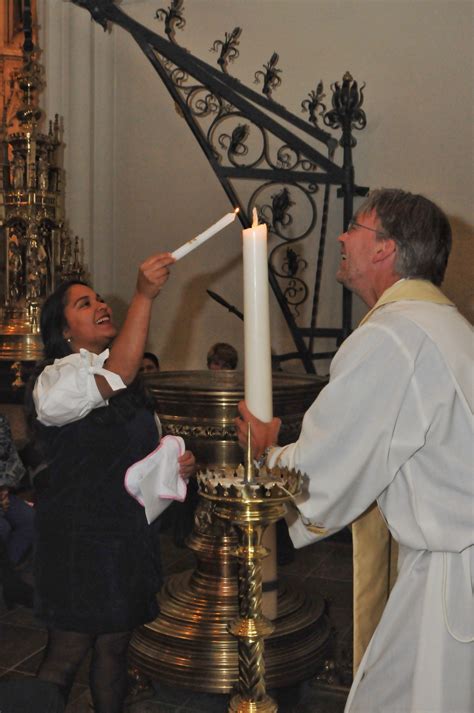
(258, 359)
(202, 237)
(258, 370)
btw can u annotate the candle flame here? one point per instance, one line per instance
(237, 210)
(254, 218)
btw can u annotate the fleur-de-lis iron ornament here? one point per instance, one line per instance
(293, 262)
(237, 145)
(173, 17)
(228, 51)
(235, 142)
(281, 203)
(346, 112)
(314, 104)
(270, 77)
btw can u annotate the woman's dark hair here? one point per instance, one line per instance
(53, 321)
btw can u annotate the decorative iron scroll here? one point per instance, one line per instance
(262, 155)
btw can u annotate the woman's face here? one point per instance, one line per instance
(89, 320)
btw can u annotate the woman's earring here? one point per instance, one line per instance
(69, 340)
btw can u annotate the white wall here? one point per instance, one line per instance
(138, 182)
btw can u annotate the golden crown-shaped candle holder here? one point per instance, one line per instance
(251, 499)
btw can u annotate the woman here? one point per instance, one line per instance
(94, 569)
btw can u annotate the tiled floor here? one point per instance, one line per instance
(326, 567)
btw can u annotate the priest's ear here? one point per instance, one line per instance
(385, 249)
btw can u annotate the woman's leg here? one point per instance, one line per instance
(108, 674)
(65, 651)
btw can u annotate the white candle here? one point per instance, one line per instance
(258, 359)
(202, 237)
(258, 370)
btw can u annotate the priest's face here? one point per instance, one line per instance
(359, 245)
(89, 320)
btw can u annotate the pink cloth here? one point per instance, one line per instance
(155, 481)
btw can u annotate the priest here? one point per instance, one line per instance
(389, 444)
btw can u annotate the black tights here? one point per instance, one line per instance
(64, 654)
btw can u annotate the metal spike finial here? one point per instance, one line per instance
(249, 466)
(346, 112)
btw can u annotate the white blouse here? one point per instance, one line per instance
(66, 390)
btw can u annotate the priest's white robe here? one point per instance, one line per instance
(394, 425)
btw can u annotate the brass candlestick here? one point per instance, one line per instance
(251, 499)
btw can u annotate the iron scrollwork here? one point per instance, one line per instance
(249, 139)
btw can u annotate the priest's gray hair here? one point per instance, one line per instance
(419, 228)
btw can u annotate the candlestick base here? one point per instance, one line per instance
(250, 505)
(239, 704)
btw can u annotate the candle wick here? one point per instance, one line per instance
(254, 218)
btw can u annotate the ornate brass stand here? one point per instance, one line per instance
(37, 251)
(250, 502)
(188, 644)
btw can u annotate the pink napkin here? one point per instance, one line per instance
(155, 481)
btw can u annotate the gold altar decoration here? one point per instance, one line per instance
(188, 644)
(36, 250)
(251, 500)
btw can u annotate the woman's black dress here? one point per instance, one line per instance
(95, 568)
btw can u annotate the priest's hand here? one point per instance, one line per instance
(263, 434)
(187, 465)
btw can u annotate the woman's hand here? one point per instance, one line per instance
(187, 465)
(126, 352)
(153, 273)
(263, 434)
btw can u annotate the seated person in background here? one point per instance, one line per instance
(16, 517)
(150, 363)
(222, 356)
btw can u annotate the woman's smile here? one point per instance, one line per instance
(89, 320)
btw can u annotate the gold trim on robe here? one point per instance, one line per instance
(374, 550)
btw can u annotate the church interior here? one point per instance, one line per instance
(130, 169)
